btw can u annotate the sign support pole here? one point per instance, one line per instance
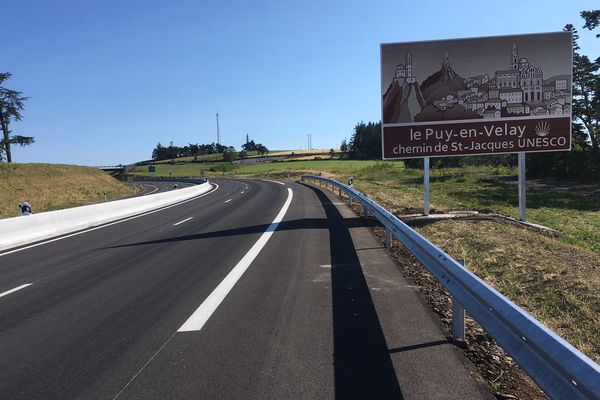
(426, 184)
(522, 188)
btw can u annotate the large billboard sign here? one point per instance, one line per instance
(502, 94)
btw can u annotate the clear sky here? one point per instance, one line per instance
(108, 79)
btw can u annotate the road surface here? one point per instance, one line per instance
(256, 290)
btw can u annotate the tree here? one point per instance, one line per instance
(592, 19)
(366, 141)
(344, 146)
(12, 104)
(229, 154)
(586, 92)
(262, 149)
(249, 146)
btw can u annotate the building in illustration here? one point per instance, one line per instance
(507, 78)
(518, 108)
(520, 89)
(405, 71)
(511, 95)
(532, 80)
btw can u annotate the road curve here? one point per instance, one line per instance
(270, 268)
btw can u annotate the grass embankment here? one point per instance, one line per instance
(556, 279)
(54, 186)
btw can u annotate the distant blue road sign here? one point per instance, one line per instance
(151, 168)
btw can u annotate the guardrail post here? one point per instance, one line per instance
(388, 238)
(350, 201)
(340, 192)
(366, 212)
(458, 318)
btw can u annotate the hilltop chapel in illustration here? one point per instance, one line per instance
(519, 90)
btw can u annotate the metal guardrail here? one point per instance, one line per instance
(560, 370)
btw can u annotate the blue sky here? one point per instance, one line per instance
(109, 79)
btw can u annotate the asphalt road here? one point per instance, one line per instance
(254, 290)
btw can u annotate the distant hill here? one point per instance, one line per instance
(401, 103)
(55, 186)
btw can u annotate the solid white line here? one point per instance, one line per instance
(181, 222)
(268, 180)
(15, 289)
(197, 320)
(109, 224)
(155, 189)
(227, 201)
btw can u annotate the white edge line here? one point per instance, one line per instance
(155, 189)
(197, 320)
(181, 222)
(227, 201)
(15, 289)
(109, 224)
(268, 180)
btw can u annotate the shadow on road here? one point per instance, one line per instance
(306, 223)
(363, 367)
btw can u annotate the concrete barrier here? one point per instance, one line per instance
(23, 230)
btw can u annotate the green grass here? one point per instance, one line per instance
(316, 166)
(486, 189)
(218, 169)
(191, 170)
(206, 157)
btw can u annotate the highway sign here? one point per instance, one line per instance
(151, 168)
(490, 95)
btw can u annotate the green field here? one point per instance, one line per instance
(193, 169)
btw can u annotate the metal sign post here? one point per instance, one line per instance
(426, 184)
(522, 188)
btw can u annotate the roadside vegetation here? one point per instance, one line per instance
(53, 186)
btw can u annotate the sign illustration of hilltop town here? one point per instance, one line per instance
(503, 78)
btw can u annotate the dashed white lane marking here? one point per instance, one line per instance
(15, 289)
(268, 180)
(109, 224)
(227, 201)
(242, 192)
(181, 222)
(197, 320)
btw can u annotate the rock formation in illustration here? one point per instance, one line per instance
(403, 99)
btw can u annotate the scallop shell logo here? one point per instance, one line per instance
(542, 129)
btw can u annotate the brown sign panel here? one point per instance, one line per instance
(477, 96)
